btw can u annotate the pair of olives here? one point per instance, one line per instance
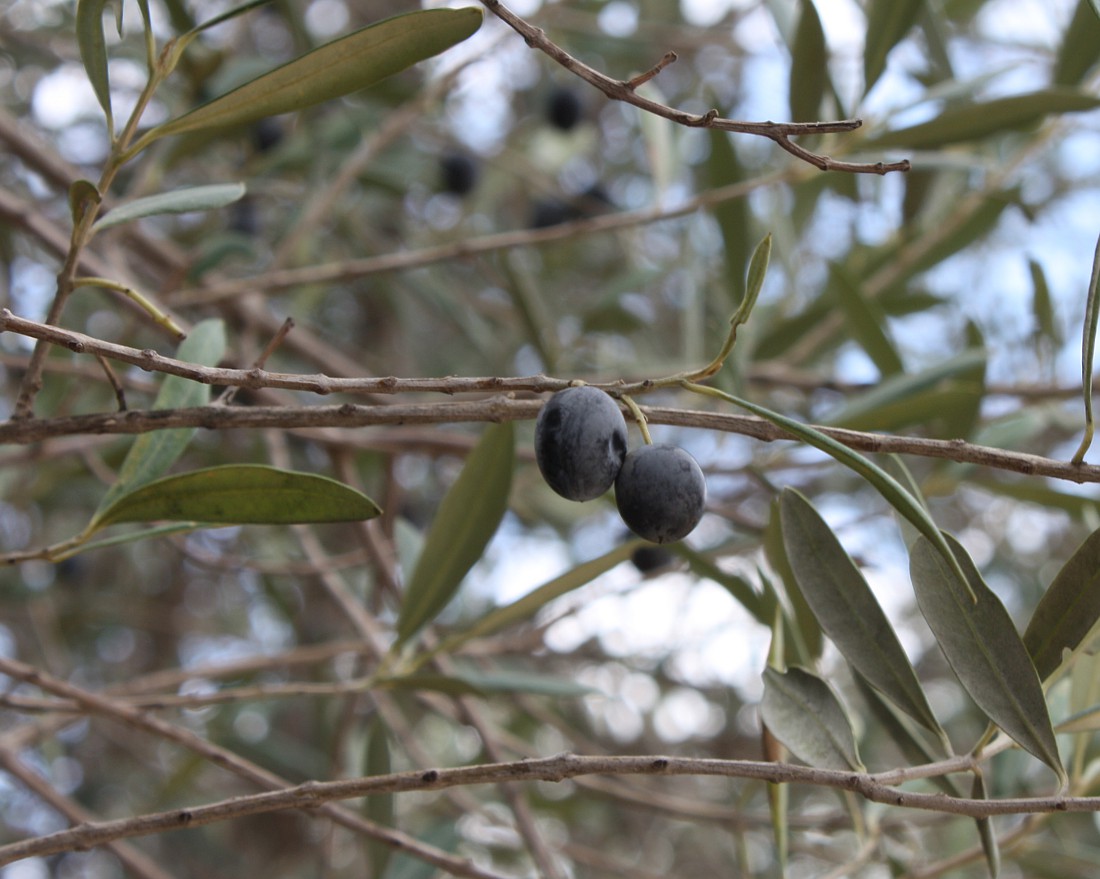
(580, 447)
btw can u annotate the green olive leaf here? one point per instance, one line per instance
(467, 518)
(802, 711)
(981, 644)
(1068, 609)
(960, 123)
(888, 21)
(843, 603)
(93, 49)
(241, 494)
(333, 70)
(1088, 352)
(526, 607)
(153, 453)
(809, 65)
(180, 201)
(894, 493)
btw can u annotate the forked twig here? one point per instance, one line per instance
(626, 91)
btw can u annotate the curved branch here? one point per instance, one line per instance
(626, 91)
(553, 769)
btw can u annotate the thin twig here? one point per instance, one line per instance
(218, 756)
(624, 90)
(351, 269)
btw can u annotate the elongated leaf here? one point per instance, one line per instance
(1095, 4)
(153, 453)
(241, 494)
(1068, 609)
(335, 69)
(983, 648)
(93, 51)
(724, 168)
(1042, 305)
(802, 711)
(465, 522)
(83, 195)
(860, 412)
(806, 639)
(525, 608)
(960, 123)
(888, 21)
(847, 609)
(867, 321)
(378, 808)
(809, 65)
(986, 832)
(912, 746)
(473, 682)
(740, 588)
(1088, 352)
(197, 198)
(1080, 48)
(884, 483)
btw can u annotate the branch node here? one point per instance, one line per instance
(642, 78)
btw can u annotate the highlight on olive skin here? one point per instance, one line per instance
(580, 442)
(661, 493)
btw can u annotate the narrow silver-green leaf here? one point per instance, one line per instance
(724, 168)
(986, 831)
(467, 519)
(802, 711)
(93, 52)
(888, 21)
(754, 282)
(809, 65)
(960, 123)
(884, 483)
(1042, 305)
(1080, 49)
(338, 68)
(378, 808)
(867, 321)
(525, 608)
(900, 388)
(1088, 352)
(983, 648)
(1068, 609)
(241, 494)
(153, 453)
(847, 609)
(805, 639)
(915, 748)
(196, 198)
(741, 589)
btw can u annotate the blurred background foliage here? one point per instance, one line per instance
(946, 302)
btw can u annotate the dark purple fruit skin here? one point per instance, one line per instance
(661, 493)
(564, 108)
(580, 442)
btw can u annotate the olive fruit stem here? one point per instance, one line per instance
(639, 418)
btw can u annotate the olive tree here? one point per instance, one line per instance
(797, 574)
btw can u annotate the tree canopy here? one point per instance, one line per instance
(286, 287)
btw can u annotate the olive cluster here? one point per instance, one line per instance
(580, 447)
